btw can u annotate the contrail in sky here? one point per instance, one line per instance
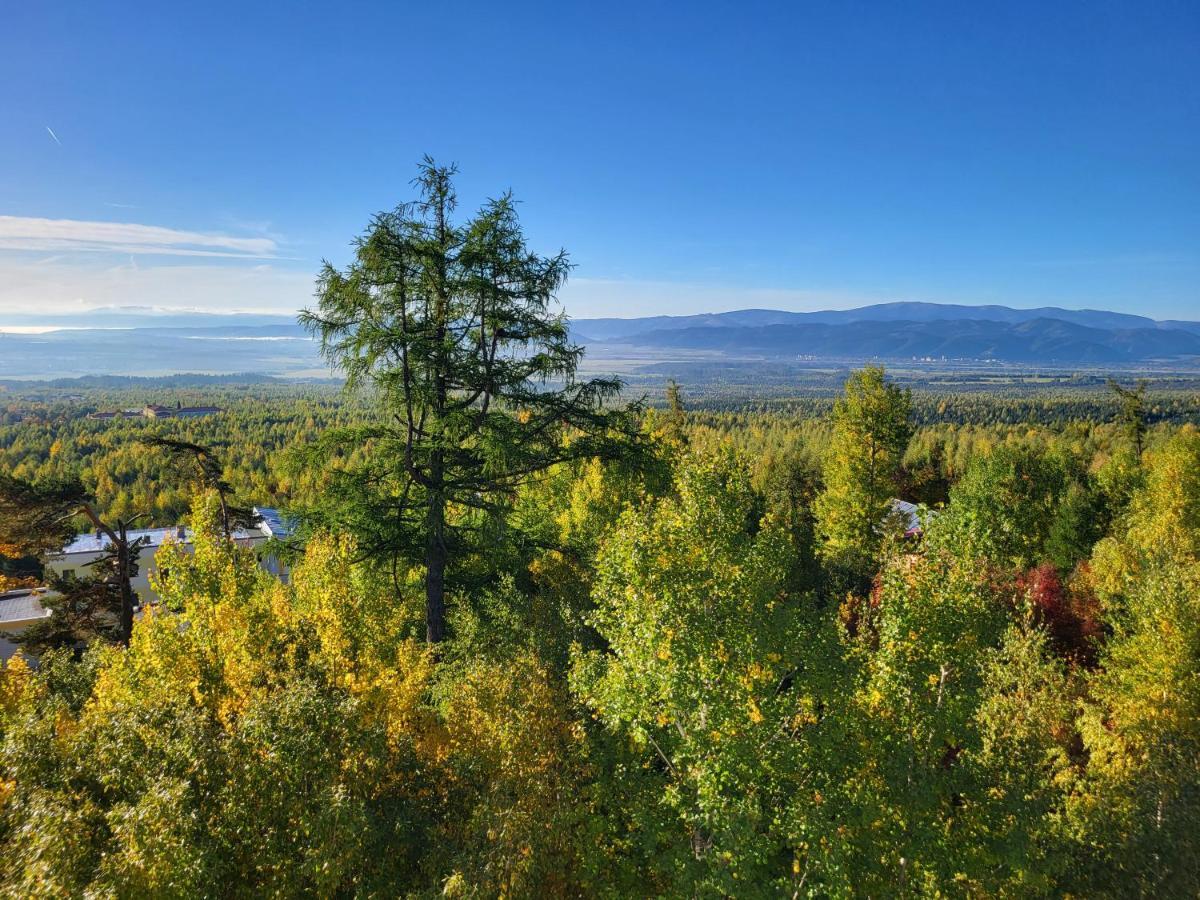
(53, 135)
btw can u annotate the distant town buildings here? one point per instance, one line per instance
(155, 411)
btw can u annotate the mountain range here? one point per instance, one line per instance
(1046, 335)
(145, 341)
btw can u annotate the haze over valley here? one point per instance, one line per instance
(144, 341)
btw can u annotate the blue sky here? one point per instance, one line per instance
(691, 157)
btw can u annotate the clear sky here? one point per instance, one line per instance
(691, 156)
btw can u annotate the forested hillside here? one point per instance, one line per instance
(710, 666)
(45, 433)
(881, 636)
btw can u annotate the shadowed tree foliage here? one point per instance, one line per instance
(451, 324)
(1133, 410)
(210, 474)
(37, 519)
(81, 610)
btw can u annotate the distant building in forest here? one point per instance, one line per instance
(155, 411)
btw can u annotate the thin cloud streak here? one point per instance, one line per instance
(131, 249)
(27, 233)
(53, 135)
(27, 287)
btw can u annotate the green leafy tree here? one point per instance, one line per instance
(1075, 527)
(452, 326)
(952, 745)
(1012, 838)
(1139, 811)
(1005, 507)
(791, 484)
(871, 430)
(701, 671)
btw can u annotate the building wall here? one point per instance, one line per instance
(7, 646)
(77, 564)
(18, 610)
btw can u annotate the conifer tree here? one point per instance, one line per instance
(871, 430)
(452, 326)
(1133, 410)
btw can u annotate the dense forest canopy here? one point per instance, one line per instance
(851, 634)
(45, 432)
(673, 673)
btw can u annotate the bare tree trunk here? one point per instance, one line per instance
(435, 572)
(120, 542)
(125, 575)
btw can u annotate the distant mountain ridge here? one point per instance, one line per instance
(904, 330)
(1037, 341)
(141, 341)
(900, 311)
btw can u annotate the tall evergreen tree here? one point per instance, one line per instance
(209, 476)
(452, 325)
(871, 430)
(1133, 410)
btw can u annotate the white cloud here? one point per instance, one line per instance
(63, 284)
(20, 233)
(58, 286)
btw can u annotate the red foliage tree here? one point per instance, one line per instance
(1070, 613)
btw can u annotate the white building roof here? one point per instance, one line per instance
(93, 543)
(272, 525)
(908, 513)
(20, 606)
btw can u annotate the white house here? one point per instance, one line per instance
(76, 557)
(908, 514)
(20, 609)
